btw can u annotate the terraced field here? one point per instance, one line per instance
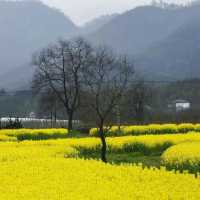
(141, 167)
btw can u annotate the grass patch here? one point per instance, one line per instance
(124, 157)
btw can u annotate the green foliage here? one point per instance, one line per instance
(13, 124)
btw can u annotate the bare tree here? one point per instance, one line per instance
(49, 105)
(106, 80)
(139, 96)
(60, 67)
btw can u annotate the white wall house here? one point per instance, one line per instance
(180, 105)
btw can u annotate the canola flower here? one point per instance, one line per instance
(149, 129)
(70, 179)
(126, 143)
(22, 151)
(144, 144)
(141, 143)
(5, 138)
(183, 156)
(44, 169)
(34, 134)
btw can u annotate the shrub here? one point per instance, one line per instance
(185, 156)
(13, 124)
(35, 134)
(184, 128)
(152, 129)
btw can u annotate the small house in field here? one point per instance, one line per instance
(180, 105)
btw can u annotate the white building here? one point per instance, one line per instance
(180, 105)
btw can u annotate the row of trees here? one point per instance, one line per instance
(79, 74)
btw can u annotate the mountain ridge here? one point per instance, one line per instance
(27, 27)
(151, 34)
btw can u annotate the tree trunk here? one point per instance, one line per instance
(51, 119)
(104, 146)
(55, 114)
(140, 113)
(70, 121)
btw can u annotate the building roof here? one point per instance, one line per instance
(180, 101)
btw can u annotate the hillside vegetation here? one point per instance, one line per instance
(27, 26)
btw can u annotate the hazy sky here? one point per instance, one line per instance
(81, 11)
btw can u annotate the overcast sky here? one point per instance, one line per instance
(81, 11)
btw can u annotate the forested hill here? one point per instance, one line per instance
(97, 23)
(164, 41)
(136, 30)
(176, 57)
(27, 26)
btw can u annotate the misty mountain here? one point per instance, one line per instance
(176, 57)
(27, 26)
(137, 29)
(18, 78)
(97, 23)
(164, 41)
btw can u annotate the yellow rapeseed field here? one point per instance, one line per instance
(69, 179)
(51, 169)
(119, 143)
(34, 134)
(6, 138)
(152, 141)
(147, 141)
(149, 129)
(36, 170)
(184, 155)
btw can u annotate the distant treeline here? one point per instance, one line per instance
(22, 103)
